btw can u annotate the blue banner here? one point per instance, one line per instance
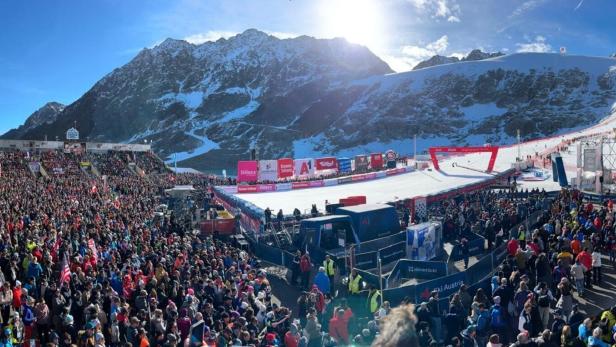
(344, 165)
(393, 253)
(366, 260)
(445, 286)
(406, 268)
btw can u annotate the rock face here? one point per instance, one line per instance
(207, 105)
(436, 60)
(44, 115)
(475, 54)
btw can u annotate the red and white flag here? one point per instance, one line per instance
(65, 273)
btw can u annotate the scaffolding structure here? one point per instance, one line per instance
(596, 163)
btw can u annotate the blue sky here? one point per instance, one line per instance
(56, 50)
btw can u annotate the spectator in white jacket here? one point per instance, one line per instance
(596, 266)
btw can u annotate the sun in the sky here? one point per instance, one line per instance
(358, 21)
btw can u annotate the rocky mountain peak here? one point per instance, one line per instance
(477, 54)
(436, 60)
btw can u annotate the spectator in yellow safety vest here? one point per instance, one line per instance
(374, 299)
(330, 271)
(354, 284)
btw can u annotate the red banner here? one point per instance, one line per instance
(356, 178)
(247, 171)
(247, 189)
(329, 163)
(300, 185)
(316, 184)
(376, 160)
(285, 168)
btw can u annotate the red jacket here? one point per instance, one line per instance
(339, 330)
(585, 259)
(512, 246)
(291, 340)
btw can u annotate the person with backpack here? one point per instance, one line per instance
(544, 299)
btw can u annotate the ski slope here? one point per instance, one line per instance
(422, 183)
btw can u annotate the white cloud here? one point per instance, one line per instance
(445, 9)
(282, 35)
(212, 35)
(413, 55)
(539, 45)
(525, 7)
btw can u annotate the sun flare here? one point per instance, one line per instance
(358, 21)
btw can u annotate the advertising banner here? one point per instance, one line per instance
(361, 162)
(421, 240)
(330, 182)
(445, 286)
(376, 160)
(392, 253)
(247, 171)
(261, 188)
(247, 189)
(344, 165)
(280, 187)
(343, 180)
(406, 268)
(329, 163)
(366, 260)
(304, 167)
(300, 185)
(285, 168)
(268, 170)
(314, 184)
(357, 178)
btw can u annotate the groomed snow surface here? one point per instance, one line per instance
(422, 183)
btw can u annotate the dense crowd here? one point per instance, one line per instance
(533, 299)
(83, 263)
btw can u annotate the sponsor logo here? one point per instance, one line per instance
(267, 187)
(344, 180)
(247, 189)
(390, 155)
(326, 163)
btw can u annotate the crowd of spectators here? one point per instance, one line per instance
(83, 263)
(533, 299)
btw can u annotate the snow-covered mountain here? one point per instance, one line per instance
(475, 54)
(207, 105)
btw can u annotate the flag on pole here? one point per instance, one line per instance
(65, 273)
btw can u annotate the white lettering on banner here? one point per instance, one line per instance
(364, 262)
(421, 269)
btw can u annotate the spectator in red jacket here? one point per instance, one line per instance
(586, 260)
(339, 329)
(512, 246)
(291, 337)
